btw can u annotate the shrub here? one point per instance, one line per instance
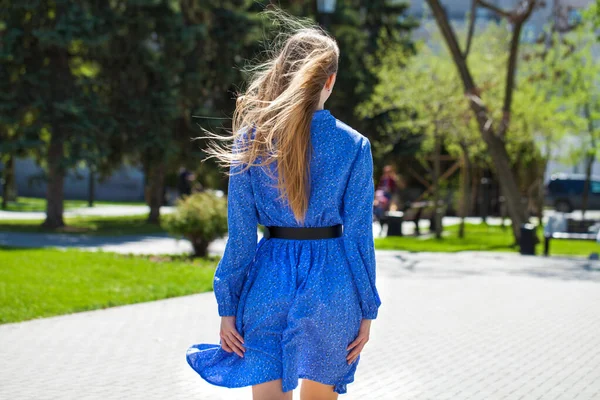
(200, 218)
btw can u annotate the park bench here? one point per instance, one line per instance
(415, 212)
(563, 228)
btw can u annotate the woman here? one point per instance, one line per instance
(388, 182)
(299, 303)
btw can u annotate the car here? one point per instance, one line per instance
(564, 192)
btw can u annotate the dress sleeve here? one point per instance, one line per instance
(242, 221)
(358, 229)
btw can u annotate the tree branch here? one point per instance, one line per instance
(494, 8)
(471, 90)
(450, 37)
(471, 30)
(512, 66)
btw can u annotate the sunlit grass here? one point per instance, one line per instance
(481, 238)
(45, 282)
(37, 204)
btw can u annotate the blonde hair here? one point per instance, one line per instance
(278, 106)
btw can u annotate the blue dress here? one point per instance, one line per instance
(298, 303)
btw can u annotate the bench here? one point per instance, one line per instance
(560, 229)
(415, 212)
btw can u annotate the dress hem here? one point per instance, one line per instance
(339, 387)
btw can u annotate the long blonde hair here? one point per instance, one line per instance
(277, 107)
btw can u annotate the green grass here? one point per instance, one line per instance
(38, 283)
(37, 204)
(481, 238)
(101, 226)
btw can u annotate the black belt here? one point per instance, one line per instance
(300, 233)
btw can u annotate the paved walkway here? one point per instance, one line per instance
(96, 211)
(481, 326)
(128, 244)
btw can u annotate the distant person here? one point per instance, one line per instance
(381, 204)
(184, 181)
(388, 182)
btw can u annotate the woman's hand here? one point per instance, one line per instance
(360, 341)
(231, 340)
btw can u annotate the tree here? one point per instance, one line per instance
(543, 111)
(560, 94)
(367, 30)
(418, 95)
(422, 93)
(580, 76)
(492, 132)
(594, 15)
(48, 84)
(167, 63)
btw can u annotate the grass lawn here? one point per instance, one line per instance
(104, 226)
(41, 282)
(482, 238)
(36, 204)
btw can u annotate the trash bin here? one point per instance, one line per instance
(394, 223)
(527, 242)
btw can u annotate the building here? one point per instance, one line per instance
(125, 184)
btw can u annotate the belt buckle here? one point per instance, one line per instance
(267, 233)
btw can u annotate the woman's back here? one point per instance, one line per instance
(335, 148)
(298, 303)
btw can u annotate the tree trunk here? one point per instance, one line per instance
(466, 182)
(9, 188)
(56, 177)
(200, 246)
(91, 187)
(542, 192)
(155, 184)
(475, 178)
(63, 85)
(589, 162)
(493, 139)
(436, 186)
(508, 184)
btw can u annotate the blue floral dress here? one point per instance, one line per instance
(298, 303)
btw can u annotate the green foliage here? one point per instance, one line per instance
(421, 95)
(200, 217)
(130, 81)
(167, 66)
(46, 62)
(593, 15)
(561, 91)
(52, 106)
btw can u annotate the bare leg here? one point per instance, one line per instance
(311, 390)
(270, 391)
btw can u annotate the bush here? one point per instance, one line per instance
(200, 218)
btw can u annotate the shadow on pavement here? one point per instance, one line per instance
(40, 240)
(467, 264)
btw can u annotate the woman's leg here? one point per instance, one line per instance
(311, 390)
(270, 391)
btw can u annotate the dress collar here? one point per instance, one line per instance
(321, 114)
